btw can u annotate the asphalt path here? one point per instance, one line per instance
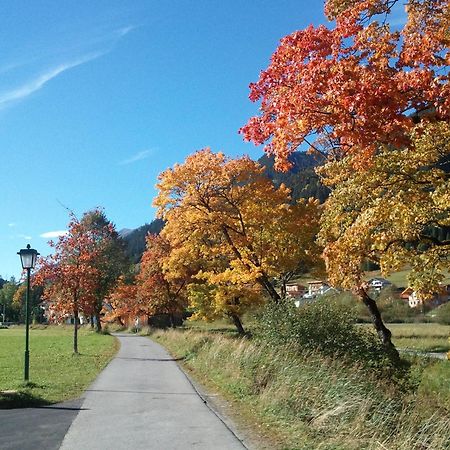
(143, 400)
(36, 428)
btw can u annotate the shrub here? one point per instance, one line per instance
(396, 310)
(323, 326)
(442, 314)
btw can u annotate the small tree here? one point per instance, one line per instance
(7, 304)
(110, 259)
(69, 277)
(160, 292)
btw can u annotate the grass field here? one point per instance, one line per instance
(430, 337)
(56, 374)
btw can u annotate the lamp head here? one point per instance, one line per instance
(28, 257)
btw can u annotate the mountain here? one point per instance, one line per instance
(301, 178)
(135, 239)
(125, 232)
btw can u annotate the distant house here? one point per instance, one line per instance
(316, 288)
(52, 314)
(295, 290)
(377, 284)
(414, 300)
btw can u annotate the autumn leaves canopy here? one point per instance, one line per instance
(356, 86)
(373, 99)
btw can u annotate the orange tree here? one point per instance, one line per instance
(228, 220)
(152, 291)
(161, 293)
(123, 302)
(373, 99)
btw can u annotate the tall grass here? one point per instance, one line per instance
(318, 402)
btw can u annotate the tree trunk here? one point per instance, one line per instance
(98, 324)
(268, 287)
(75, 330)
(237, 322)
(172, 321)
(383, 332)
(283, 287)
(92, 321)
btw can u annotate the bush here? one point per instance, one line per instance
(392, 308)
(442, 314)
(322, 326)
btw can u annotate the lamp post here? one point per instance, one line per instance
(28, 257)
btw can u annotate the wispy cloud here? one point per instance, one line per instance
(53, 234)
(37, 83)
(125, 30)
(11, 224)
(90, 48)
(24, 236)
(137, 157)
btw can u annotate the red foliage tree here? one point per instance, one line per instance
(162, 292)
(356, 85)
(154, 291)
(69, 277)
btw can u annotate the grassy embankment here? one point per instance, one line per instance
(56, 374)
(307, 401)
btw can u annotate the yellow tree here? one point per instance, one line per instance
(390, 214)
(227, 218)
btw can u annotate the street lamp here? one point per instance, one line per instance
(28, 257)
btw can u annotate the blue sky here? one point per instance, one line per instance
(97, 98)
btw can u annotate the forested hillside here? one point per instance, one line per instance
(135, 239)
(301, 178)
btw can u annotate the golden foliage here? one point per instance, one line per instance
(387, 213)
(231, 226)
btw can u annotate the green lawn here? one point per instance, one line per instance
(430, 337)
(400, 278)
(56, 374)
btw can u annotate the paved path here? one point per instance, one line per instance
(435, 355)
(36, 428)
(142, 400)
